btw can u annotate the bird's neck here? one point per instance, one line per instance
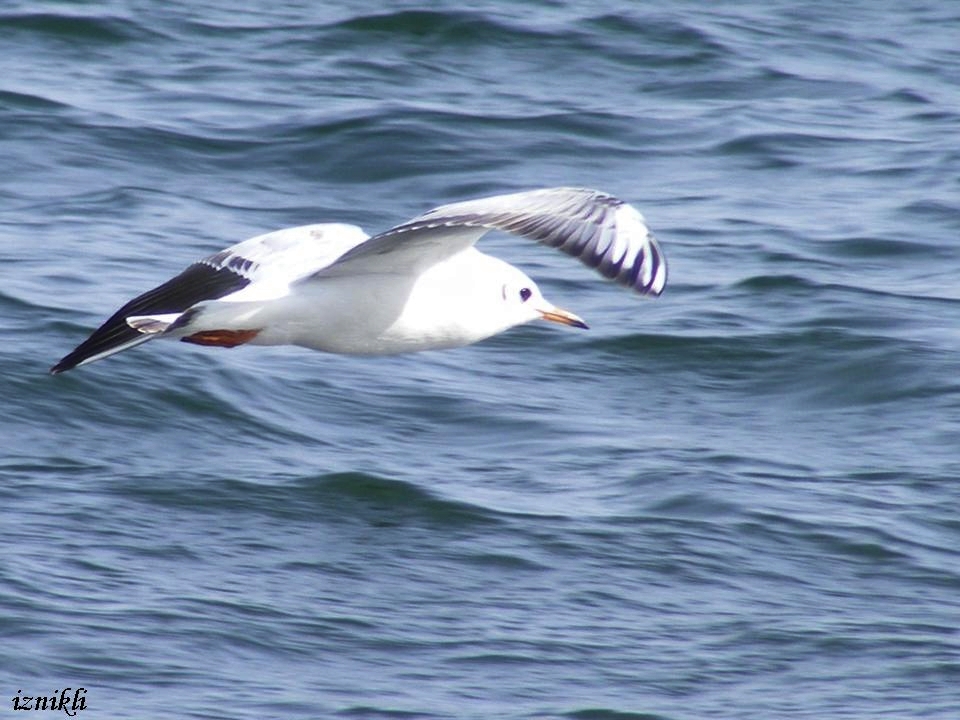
(453, 303)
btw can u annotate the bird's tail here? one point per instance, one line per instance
(153, 324)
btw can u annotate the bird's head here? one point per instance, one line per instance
(470, 297)
(521, 301)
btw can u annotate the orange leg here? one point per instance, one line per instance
(221, 338)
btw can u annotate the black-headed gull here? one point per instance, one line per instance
(421, 285)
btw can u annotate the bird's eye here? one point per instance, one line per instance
(525, 294)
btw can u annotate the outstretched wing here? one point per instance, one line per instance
(204, 280)
(260, 268)
(600, 230)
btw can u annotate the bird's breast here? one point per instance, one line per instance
(372, 315)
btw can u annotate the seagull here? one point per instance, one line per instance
(420, 285)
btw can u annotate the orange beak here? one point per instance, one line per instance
(563, 317)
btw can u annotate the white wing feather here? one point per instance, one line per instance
(275, 260)
(600, 230)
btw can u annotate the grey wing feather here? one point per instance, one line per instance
(600, 230)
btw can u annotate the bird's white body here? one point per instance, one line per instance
(380, 313)
(420, 285)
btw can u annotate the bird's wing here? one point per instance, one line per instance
(600, 230)
(271, 263)
(260, 268)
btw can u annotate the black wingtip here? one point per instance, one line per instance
(68, 362)
(62, 367)
(200, 281)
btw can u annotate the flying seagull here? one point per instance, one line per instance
(421, 285)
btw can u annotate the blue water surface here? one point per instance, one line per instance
(737, 500)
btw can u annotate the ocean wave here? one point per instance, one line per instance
(600, 713)
(823, 363)
(340, 496)
(74, 27)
